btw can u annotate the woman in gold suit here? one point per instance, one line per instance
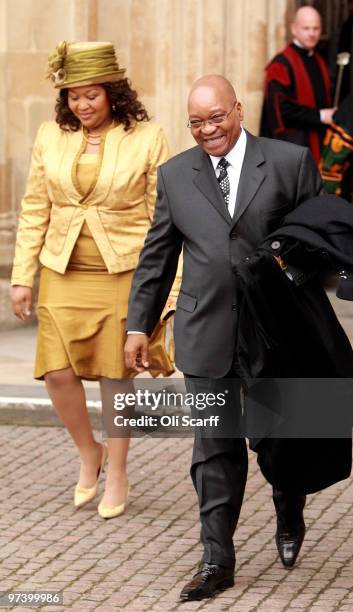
(88, 204)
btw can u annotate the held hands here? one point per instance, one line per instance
(136, 352)
(136, 345)
(21, 298)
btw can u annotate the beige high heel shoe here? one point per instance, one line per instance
(84, 495)
(107, 511)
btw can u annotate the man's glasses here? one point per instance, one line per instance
(197, 124)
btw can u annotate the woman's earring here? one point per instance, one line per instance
(113, 108)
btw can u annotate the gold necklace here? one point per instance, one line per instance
(90, 135)
(97, 137)
(93, 140)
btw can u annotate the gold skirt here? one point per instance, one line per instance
(82, 319)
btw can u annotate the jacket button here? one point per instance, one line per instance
(233, 236)
(275, 244)
(234, 306)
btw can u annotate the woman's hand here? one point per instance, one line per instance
(21, 298)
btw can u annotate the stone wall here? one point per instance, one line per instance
(164, 44)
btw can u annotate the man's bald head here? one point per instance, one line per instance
(306, 12)
(306, 27)
(212, 97)
(216, 82)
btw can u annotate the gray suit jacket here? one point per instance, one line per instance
(191, 214)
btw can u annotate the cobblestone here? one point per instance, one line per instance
(141, 560)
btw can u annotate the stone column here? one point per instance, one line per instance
(5, 239)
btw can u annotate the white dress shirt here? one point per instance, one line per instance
(298, 44)
(235, 158)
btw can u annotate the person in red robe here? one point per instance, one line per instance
(297, 102)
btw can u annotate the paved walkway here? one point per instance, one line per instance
(141, 560)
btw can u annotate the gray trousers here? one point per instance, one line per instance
(219, 468)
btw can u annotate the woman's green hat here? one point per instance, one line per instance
(73, 64)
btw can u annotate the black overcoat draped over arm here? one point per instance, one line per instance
(289, 330)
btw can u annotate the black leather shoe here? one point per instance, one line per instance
(289, 544)
(209, 580)
(290, 526)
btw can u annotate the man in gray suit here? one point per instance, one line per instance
(218, 201)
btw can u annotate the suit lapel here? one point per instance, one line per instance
(251, 177)
(73, 145)
(206, 181)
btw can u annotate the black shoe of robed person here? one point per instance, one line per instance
(290, 526)
(209, 580)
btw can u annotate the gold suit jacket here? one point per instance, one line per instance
(118, 211)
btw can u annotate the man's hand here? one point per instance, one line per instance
(326, 115)
(21, 298)
(136, 352)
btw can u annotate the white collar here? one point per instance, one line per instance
(235, 155)
(298, 44)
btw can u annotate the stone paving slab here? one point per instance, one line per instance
(141, 560)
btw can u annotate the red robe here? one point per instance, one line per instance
(293, 97)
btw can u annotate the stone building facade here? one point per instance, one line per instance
(164, 44)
